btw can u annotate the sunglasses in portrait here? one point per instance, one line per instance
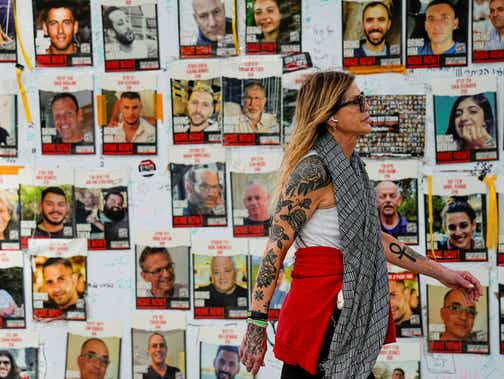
(359, 100)
(158, 271)
(104, 361)
(457, 308)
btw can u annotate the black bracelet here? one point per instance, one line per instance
(258, 315)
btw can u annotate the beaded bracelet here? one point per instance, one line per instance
(261, 324)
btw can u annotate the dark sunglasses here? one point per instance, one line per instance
(359, 100)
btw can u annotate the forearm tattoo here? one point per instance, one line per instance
(405, 251)
(255, 339)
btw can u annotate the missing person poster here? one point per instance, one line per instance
(46, 204)
(162, 269)
(67, 114)
(8, 120)
(459, 224)
(454, 324)
(398, 361)
(252, 102)
(219, 352)
(198, 180)
(101, 209)
(371, 33)
(130, 35)
(500, 207)
(208, 28)
(158, 343)
(487, 26)
(253, 183)
(396, 186)
(12, 298)
(93, 349)
(500, 273)
(196, 93)
(130, 104)
(284, 279)
(19, 354)
(465, 114)
(8, 43)
(62, 30)
(59, 277)
(220, 278)
(398, 126)
(9, 207)
(437, 33)
(273, 27)
(405, 302)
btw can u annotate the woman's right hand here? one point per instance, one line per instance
(253, 348)
(476, 137)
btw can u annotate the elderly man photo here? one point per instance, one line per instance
(256, 200)
(388, 199)
(210, 17)
(60, 283)
(250, 117)
(157, 349)
(158, 270)
(440, 22)
(54, 208)
(458, 315)
(496, 34)
(66, 120)
(376, 23)
(60, 25)
(226, 362)
(93, 359)
(200, 107)
(203, 192)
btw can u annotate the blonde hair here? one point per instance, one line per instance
(315, 104)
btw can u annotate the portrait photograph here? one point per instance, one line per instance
(12, 298)
(251, 107)
(501, 312)
(198, 195)
(131, 126)
(62, 30)
(97, 356)
(130, 36)
(206, 28)
(196, 111)
(8, 126)
(67, 122)
(371, 33)
(220, 286)
(162, 277)
(273, 26)
(8, 44)
(9, 218)
(397, 370)
(59, 287)
(428, 44)
(405, 303)
(19, 362)
(455, 324)
(158, 348)
(221, 361)
(487, 29)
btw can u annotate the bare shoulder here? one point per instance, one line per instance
(309, 175)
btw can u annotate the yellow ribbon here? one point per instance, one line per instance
(22, 93)
(158, 100)
(431, 216)
(492, 237)
(20, 42)
(366, 70)
(235, 30)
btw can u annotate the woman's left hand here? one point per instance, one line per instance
(463, 281)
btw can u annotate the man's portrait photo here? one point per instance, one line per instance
(163, 273)
(372, 29)
(92, 357)
(251, 106)
(199, 190)
(221, 362)
(206, 28)
(159, 354)
(196, 109)
(131, 118)
(397, 369)
(8, 123)
(7, 32)
(397, 203)
(63, 27)
(9, 216)
(452, 317)
(488, 25)
(220, 281)
(130, 32)
(12, 298)
(405, 304)
(59, 286)
(113, 216)
(67, 118)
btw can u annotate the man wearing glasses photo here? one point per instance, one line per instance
(93, 359)
(458, 315)
(203, 192)
(158, 269)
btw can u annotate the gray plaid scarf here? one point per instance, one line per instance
(362, 325)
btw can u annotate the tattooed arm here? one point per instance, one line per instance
(308, 186)
(401, 255)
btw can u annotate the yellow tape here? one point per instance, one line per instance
(492, 236)
(431, 216)
(235, 30)
(363, 70)
(158, 100)
(101, 108)
(22, 93)
(20, 42)
(10, 170)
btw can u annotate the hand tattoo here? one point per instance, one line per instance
(256, 340)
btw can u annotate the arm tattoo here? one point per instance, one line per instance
(405, 251)
(268, 271)
(309, 175)
(255, 339)
(258, 295)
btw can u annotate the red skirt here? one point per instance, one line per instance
(317, 278)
